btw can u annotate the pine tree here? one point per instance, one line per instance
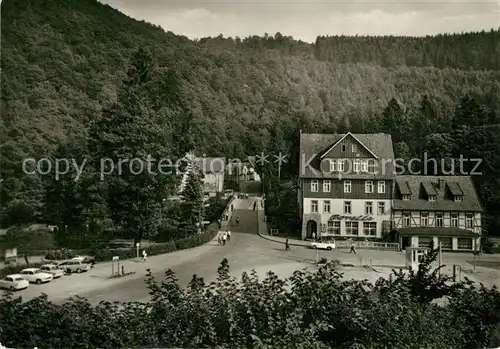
(192, 206)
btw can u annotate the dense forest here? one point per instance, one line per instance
(68, 66)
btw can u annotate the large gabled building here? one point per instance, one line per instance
(433, 210)
(345, 185)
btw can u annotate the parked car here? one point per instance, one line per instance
(75, 266)
(14, 282)
(85, 259)
(36, 275)
(53, 269)
(323, 245)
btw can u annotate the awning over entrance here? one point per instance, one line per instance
(436, 231)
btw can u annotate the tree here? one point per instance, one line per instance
(131, 139)
(192, 206)
(393, 120)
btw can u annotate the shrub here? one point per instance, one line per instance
(310, 310)
(16, 269)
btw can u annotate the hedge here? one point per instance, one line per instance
(317, 309)
(107, 254)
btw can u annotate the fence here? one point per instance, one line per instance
(372, 245)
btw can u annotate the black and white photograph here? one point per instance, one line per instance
(250, 174)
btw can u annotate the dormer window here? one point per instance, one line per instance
(432, 198)
(333, 165)
(459, 198)
(406, 197)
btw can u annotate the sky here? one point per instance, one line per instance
(307, 19)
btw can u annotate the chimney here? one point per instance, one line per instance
(441, 184)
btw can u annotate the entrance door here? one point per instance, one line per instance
(312, 228)
(405, 242)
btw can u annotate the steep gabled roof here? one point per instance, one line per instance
(341, 139)
(470, 203)
(313, 145)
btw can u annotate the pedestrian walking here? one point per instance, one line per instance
(224, 239)
(314, 236)
(232, 207)
(144, 255)
(287, 245)
(219, 238)
(228, 235)
(220, 224)
(353, 249)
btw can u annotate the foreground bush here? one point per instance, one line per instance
(311, 310)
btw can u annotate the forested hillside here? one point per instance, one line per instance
(65, 63)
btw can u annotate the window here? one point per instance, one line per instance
(341, 165)
(326, 206)
(425, 241)
(333, 227)
(333, 165)
(439, 220)
(381, 208)
(459, 198)
(432, 198)
(354, 148)
(454, 220)
(314, 206)
(424, 219)
(464, 243)
(468, 220)
(370, 228)
(371, 166)
(356, 164)
(406, 220)
(327, 186)
(347, 207)
(368, 187)
(352, 228)
(314, 186)
(369, 207)
(381, 187)
(343, 147)
(364, 166)
(347, 186)
(446, 243)
(406, 197)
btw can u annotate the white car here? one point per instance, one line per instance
(52, 269)
(36, 275)
(323, 245)
(14, 282)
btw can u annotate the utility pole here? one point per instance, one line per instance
(475, 253)
(440, 259)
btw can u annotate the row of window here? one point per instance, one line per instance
(438, 220)
(348, 207)
(369, 187)
(446, 242)
(357, 165)
(457, 198)
(352, 228)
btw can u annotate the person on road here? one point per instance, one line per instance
(220, 224)
(144, 255)
(224, 238)
(219, 238)
(287, 245)
(228, 235)
(353, 247)
(237, 220)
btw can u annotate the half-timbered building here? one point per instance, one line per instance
(432, 210)
(345, 185)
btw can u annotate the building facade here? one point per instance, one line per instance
(345, 185)
(433, 210)
(212, 170)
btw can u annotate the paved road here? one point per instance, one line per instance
(245, 251)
